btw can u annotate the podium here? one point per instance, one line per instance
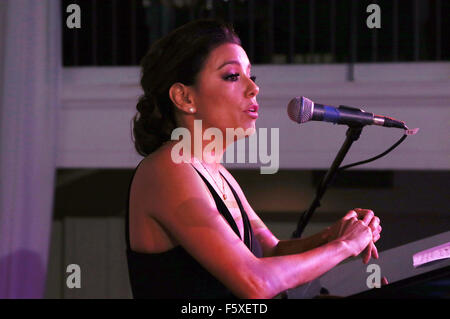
(349, 279)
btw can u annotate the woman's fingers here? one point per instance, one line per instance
(366, 215)
(350, 214)
(374, 251)
(374, 224)
(368, 218)
(376, 237)
(367, 253)
(376, 234)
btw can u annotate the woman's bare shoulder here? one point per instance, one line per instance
(167, 180)
(160, 164)
(154, 172)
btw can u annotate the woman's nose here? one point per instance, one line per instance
(252, 89)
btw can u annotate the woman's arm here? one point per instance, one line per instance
(272, 246)
(290, 271)
(299, 245)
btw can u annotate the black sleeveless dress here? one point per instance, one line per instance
(174, 273)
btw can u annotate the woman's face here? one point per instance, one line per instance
(225, 94)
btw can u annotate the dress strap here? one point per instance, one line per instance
(247, 226)
(224, 211)
(127, 210)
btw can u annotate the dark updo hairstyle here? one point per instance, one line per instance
(177, 57)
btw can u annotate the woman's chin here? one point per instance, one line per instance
(240, 133)
(246, 130)
(250, 131)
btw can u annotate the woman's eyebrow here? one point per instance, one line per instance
(232, 62)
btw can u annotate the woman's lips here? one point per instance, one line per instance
(252, 114)
(252, 111)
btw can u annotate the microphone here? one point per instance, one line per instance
(302, 109)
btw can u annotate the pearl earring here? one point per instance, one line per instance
(191, 109)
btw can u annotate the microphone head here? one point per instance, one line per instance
(300, 109)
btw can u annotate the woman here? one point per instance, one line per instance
(190, 231)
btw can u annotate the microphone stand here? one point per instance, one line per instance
(314, 288)
(352, 134)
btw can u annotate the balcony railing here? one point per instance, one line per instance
(119, 32)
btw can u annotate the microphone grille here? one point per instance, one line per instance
(300, 109)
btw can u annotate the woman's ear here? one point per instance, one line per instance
(182, 97)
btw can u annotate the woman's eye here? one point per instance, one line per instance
(232, 77)
(235, 76)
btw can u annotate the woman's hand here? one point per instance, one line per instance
(368, 219)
